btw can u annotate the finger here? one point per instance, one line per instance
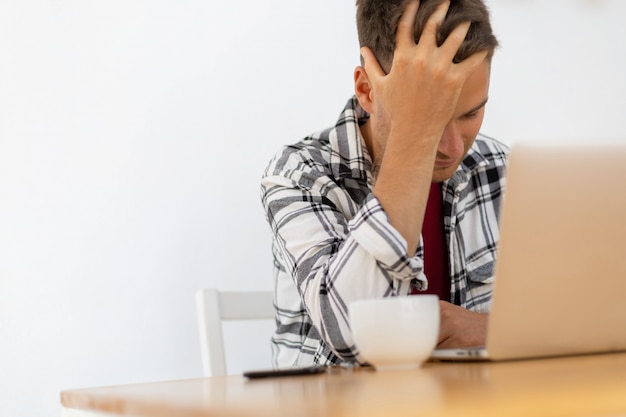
(370, 63)
(443, 343)
(469, 64)
(454, 40)
(405, 33)
(429, 34)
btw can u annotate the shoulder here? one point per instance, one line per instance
(485, 162)
(336, 152)
(309, 156)
(491, 149)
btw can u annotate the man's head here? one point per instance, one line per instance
(377, 23)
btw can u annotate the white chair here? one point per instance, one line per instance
(215, 306)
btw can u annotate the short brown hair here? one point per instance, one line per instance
(377, 23)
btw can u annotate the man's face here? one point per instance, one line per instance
(461, 131)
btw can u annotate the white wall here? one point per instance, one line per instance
(133, 134)
(560, 72)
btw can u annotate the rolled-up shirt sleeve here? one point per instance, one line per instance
(371, 229)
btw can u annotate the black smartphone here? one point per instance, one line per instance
(266, 373)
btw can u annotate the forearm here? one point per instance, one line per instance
(403, 183)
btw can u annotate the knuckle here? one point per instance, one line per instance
(399, 65)
(456, 37)
(404, 26)
(454, 81)
(420, 65)
(439, 72)
(431, 25)
(451, 79)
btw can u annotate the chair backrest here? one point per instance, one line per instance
(215, 306)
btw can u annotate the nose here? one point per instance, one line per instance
(451, 143)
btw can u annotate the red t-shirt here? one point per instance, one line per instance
(436, 265)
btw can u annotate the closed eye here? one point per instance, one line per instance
(470, 116)
(475, 112)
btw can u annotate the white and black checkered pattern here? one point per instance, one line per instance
(334, 244)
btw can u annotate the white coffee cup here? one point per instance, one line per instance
(395, 332)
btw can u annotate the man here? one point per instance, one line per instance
(402, 195)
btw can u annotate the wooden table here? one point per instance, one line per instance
(593, 385)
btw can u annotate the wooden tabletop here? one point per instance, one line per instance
(593, 385)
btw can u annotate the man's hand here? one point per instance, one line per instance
(460, 327)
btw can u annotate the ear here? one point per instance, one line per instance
(363, 89)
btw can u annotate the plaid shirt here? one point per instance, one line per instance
(334, 244)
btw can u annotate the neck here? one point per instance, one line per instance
(373, 148)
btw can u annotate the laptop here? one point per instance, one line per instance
(560, 286)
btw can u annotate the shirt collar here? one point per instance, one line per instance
(472, 161)
(350, 157)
